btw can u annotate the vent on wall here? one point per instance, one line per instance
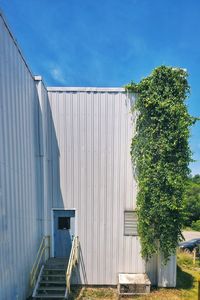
(130, 223)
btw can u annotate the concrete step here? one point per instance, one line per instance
(133, 284)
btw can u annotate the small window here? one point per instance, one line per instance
(63, 223)
(130, 223)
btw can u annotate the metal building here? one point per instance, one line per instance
(21, 196)
(65, 170)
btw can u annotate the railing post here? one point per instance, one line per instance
(49, 246)
(198, 289)
(73, 259)
(43, 252)
(194, 256)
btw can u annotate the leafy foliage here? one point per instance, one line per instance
(196, 225)
(161, 155)
(192, 201)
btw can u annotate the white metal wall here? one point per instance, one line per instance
(92, 172)
(21, 207)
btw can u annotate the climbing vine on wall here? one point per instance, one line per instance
(161, 155)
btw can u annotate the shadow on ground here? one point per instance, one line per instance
(75, 292)
(184, 280)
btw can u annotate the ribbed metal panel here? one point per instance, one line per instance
(92, 172)
(167, 273)
(20, 170)
(151, 270)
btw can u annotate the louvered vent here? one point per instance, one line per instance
(130, 223)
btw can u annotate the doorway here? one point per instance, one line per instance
(63, 232)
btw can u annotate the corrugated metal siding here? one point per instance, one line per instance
(167, 273)
(20, 170)
(151, 270)
(92, 172)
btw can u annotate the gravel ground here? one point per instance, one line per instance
(188, 235)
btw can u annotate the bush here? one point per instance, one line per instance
(192, 200)
(196, 225)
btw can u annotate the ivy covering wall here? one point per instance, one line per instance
(161, 155)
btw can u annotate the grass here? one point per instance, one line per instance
(187, 228)
(187, 276)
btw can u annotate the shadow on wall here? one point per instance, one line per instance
(133, 113)
(53, 154)
(80, 269)
(54, 189)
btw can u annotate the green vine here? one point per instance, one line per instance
(161, 155)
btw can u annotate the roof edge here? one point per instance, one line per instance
(15, 41)
(86, 89)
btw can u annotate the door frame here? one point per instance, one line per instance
(52, 226)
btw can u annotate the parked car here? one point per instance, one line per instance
(188, 246)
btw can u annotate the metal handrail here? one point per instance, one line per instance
(45, 244)
(73, 260)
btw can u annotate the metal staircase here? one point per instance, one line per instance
(53, 281)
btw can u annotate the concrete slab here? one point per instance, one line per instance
(133, 284)
(134, 279)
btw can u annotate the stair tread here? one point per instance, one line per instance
(53, 275)
(55, 266)
(56, 263)
(53, 281)
(55, 296)
(51, 288)
(49, 269)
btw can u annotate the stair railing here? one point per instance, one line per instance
(45, 244)
(73, 260)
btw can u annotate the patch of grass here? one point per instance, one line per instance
(96, 293)
(99, 293)
(184, 260)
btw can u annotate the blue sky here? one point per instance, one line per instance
(109, 42)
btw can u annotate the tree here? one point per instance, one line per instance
(192, 200)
